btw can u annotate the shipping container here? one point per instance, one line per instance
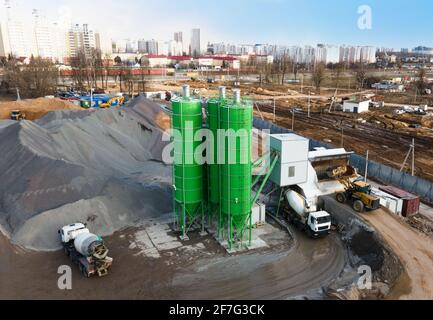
(392, 203)
(411, 203)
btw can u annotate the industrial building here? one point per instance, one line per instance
(356, 105)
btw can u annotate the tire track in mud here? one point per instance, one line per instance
(304, 270)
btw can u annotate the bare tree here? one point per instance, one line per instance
(338, 71)
(264, 69)
(284, 66)
(295, 70)
(361, 76)
(318, 75)
(79, 66)
(36, 79)
(281, 67)
(421, 83)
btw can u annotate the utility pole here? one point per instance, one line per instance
(274, 112)
(410, 153)
(302, 84)
(309, 103)
(293, 119)
(366, 167)
(413, 157)
(18, 94)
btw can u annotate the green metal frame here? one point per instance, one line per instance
(265, 180)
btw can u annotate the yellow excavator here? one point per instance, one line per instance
(359, 194)
(115, 101)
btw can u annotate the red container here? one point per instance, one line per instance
(411, 203)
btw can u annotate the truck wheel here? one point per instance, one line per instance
(83, 270)
(341, 197)
(66, 252)
(358, 206)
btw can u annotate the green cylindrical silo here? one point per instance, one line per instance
(236, 120)
(213, 106)
(188, 174)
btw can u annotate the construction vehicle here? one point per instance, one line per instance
(85, 249)
(305, 215)
(359, 194)
(17, 115)
(113, 102)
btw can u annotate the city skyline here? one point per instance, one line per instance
(333, 22)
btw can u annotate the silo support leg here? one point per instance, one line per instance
(251, 230)
(183, 223)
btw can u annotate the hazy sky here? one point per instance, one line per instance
(396, 23)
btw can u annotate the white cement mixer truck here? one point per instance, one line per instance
(305, 215)
(85, 249)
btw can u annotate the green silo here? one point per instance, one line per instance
(236, 119)
(213, 121)
(187, 119)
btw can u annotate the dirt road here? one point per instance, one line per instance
(415, 251)
(304, 269)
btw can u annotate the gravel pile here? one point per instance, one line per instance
(101, 167)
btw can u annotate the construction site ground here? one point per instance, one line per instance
(415, 251)
(150, 263)
(386, 135)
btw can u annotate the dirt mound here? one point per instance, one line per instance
(35, 108)
(427, 122)
(100, 167)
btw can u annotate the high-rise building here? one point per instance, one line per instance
(152, 47)
(195, 49)
(422, 50)
(81, 38)
(141, 46)
(42, 36)
(131, 46)
(178, 37)
(327, 54)
(13, 36)
(3, 52)
(351, 54)
(103, 43)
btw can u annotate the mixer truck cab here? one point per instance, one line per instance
(319, 223)
(85, 249)
(70, 232)
(304, 214)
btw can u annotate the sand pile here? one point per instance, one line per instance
(427, 121)
(98, 167)
(35, 108)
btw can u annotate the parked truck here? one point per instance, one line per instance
(305, 215)
(85, 249)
